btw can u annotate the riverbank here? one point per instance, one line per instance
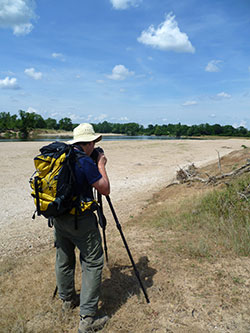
(55, 133)
(51, 134)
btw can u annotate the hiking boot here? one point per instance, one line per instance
(90, 324)
(69, 305)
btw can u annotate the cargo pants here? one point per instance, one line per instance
(87, 239)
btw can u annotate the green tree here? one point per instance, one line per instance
(158, 130)
(184, 130)
(132, 128)
(216, 129)
(228, 130)
(193, 131)
(171, 129)
(51, 123)
(65, 124)
(177, 131)
(106, 127)
(39, 122)
(149, 130)
(207, 129)
(26, 123)
(242, 131)
(116, 128)
(7, 122)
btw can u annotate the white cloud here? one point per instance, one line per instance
(243, 123)
(89, 117)
(223, 95)
(101, 117)
(120, 72)
(124, 4)
(92, 118)
(32, 73)
(9, 83)
(73, 116)
(31, 110)
(189, 103)
(54, 114)
(17, 14)
(59, 56)
(212, 66)
(167, 37)
(124, 118)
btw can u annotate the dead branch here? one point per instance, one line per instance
(239, 171)
(173, 183)
(219, 163)
(190, 174)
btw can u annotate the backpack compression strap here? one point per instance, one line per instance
(37, 197)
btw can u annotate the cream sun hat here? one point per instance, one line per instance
(85, 133)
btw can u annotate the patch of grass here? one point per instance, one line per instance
(218, 218)
(225, 214)
(199, 250)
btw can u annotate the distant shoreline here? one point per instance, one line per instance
(70, 134)
(10, 134)
(36, 134)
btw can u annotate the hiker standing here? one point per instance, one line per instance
(85, 237)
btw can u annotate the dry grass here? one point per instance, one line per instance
(196, 279)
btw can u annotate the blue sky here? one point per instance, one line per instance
(144, 61)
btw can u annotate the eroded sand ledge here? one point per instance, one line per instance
(136, 170)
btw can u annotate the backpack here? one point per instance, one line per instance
(53, 182)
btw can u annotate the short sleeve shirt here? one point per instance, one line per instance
(86, 173)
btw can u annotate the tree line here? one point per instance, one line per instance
(25, 122)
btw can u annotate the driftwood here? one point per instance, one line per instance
(190, 174)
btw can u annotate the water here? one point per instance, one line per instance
(104, 138)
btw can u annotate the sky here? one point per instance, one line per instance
(144, 61)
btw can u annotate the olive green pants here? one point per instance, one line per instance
(88, 240)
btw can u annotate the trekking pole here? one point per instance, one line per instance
(127, 248)
(103, 223)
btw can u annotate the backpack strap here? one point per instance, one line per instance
(37, 196)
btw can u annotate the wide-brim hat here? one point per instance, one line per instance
(85, 133)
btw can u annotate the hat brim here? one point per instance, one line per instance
(86, 138)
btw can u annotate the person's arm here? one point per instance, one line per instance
(102, 185)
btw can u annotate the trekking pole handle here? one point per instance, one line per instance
(127, 248)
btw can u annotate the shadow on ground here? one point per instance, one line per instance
(123, 284)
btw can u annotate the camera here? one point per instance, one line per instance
(95, 153)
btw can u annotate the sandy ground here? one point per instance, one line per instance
(136, 169)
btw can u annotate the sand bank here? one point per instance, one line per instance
(136, 169)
